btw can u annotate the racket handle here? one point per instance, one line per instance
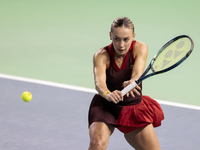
(129, 88)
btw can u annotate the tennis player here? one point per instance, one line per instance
(135, 115)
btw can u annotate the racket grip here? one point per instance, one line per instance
(129, 88)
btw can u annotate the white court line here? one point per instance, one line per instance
(178, 104)
(77, 88)
(60, 85)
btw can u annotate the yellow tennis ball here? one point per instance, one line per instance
(26, 96)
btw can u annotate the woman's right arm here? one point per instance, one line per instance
(101, 61)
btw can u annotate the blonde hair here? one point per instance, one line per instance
(122, 21)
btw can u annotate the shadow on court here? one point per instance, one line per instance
(56, 119)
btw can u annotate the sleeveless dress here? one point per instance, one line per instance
(133, 112)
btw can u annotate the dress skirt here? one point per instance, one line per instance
(126, 118)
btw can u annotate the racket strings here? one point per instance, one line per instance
(171, 54)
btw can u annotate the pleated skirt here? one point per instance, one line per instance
(126, 118)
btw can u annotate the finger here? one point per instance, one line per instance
(112, 100)
(116, 101)
(126, 83)
(138, 87)
(132, 94)
(127, 94)
(115, 97)
(118, 95)
(136, 91)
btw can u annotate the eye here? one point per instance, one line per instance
(116, 39)
(126, 39)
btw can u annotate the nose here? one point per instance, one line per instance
(121, 44)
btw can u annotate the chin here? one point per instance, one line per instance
(122, 52)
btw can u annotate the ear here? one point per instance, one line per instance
(110, 35)
(134, 36)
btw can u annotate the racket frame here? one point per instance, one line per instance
(144, 76)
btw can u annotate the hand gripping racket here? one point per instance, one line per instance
(168, 57)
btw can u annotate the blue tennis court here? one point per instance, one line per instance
(56, 118)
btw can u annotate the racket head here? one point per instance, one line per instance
(172, 54)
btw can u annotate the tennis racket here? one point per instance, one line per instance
(172, 54)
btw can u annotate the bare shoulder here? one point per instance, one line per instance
(101, 57)
(140, 48)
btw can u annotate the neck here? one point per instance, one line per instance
(116, 56)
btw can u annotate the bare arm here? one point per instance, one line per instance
(140, 54)
(101, 61)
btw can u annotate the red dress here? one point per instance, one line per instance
(133, 112)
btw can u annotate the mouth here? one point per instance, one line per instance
(121, 50)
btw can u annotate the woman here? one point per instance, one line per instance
(115, 67)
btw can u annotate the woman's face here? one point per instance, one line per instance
(122, 38)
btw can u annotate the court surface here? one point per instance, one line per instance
(56, 118)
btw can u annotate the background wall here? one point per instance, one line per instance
(55, 40)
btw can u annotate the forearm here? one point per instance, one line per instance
(135, 76)
(101, 87)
